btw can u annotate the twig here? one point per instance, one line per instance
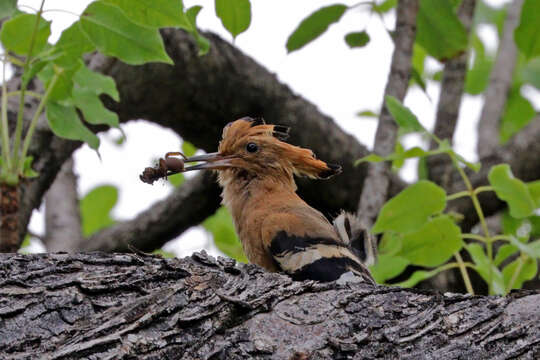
(19, 126)
(375, 189)
(453, 80)
(499, 84)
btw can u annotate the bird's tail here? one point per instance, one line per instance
(357, 237)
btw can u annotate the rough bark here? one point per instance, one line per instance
(452, 85)
(106, 306)
(9, 226)
(499, 84)
(62, 213)
(375, 190)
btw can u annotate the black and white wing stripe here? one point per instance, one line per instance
(319, 259)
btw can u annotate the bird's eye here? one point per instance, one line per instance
(252, 147)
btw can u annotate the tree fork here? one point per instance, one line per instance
(9, 226)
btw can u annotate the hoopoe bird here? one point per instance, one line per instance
(278, 230)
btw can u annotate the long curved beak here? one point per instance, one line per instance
(211, 161)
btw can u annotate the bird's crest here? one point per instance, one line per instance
(269, 140)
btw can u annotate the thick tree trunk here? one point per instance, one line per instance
(117, 306)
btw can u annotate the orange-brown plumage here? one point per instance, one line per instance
(278, 230)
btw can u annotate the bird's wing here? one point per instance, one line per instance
(304, 254)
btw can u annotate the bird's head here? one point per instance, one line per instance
(250, 148)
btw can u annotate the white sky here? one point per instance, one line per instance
(340, 81)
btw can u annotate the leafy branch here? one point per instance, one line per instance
(416, 231)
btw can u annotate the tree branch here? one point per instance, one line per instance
(375, 190)
(62, 214)
(199, 95)
(126, 306)
(188, 205)
(452, 85)
(499, 84)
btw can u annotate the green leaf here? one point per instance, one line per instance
(7, 8)
(28, 172)
(73, 43)
(390, 244)
(416, 277)
(473, 166)
(63, 87)
(92, 108)
(534, 190)
(25, 243)
(535, 224)
(410, 209)
(235, 15)
(486, 14)
(176, 180)
(384, 7)
(115, 35)
(511, 190)
(416, 78)
(517, 114)
(65, 123)
(417, 71)
(367, 113)
(357, 39)
(35, 67)
(221, 226)
(532, 249)
(520, 228)
(433, 244)
(202, 42)
(437, 75)
(504, 252)
(399, 151)
(153, 13)
(397, 156)
(527, 34)
(528, 269)
(403, 116)
(482, 267)
(96, 82)
(444, 146)
(314, 25)
(164, 254)
(423, 169)
(530, 73)
(387, 267)
(419, 58)
(188, 148)
(439, 30)
(96, 207)
(16, 34)
(372, 158)
(478, 75)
